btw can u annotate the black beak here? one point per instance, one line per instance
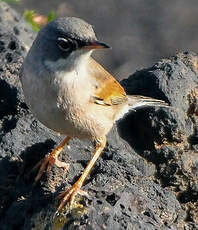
(95, 45)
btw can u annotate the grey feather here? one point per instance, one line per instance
(137, 102)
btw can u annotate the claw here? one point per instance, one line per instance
(50, 160)
(47, 164)
(70, 195)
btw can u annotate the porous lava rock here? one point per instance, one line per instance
(147, 175)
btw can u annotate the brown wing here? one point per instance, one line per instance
(108, 90)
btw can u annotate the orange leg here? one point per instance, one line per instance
(51, 159)
(70, 194)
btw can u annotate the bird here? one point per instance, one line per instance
(69, 92)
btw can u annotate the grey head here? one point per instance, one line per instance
(66, 38)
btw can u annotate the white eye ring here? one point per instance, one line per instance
(64, 44)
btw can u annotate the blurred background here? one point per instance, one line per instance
(140, 32)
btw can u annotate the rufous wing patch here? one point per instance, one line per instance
(109, 91)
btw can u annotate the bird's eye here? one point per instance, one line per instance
(64, 44)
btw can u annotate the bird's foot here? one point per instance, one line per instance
(69, 196)
(46, 164)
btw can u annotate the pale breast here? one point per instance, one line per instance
(62, 102)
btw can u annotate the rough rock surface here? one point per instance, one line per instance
(147, 176)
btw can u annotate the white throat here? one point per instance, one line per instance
(76, 61)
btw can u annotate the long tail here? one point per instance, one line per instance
(137, 101)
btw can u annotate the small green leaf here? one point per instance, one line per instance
(29, 17)
(51, 16)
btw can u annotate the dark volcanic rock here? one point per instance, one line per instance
(168, 137)
(13, 22)
(148, 183)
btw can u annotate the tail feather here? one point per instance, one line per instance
(137, 101)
